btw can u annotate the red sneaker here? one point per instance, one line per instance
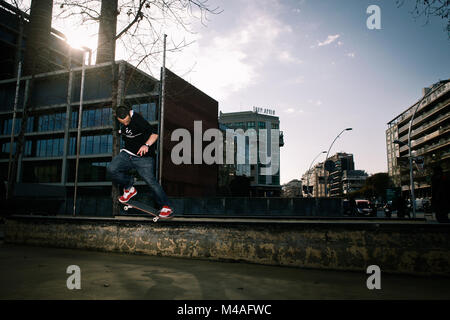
(128, 194)
(166, 212)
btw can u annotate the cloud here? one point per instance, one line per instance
(293, 111)
(286, 56)
(316, 102)
(330, 39)
(289, 110)
(350, 54)
(231, 61)
(298, 80)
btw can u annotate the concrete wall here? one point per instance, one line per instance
(410, 248)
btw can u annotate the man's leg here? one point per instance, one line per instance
(119, 168)
(145, 167)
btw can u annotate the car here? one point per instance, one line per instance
(365, 208)
(422, 204)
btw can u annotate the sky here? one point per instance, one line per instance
(314, 62)
(321, 69)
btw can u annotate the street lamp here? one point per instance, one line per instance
(309, 171)
(326, 176)
(401, 143)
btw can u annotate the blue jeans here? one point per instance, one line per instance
(120, 167)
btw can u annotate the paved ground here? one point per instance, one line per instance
(40, 273)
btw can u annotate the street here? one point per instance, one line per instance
(40, 273)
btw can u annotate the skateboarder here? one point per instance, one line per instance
(138, 153)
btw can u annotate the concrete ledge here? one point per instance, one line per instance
(409, 247)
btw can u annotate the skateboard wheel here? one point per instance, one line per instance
(155, 219)
(125, 208)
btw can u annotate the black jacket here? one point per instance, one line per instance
(136, 134)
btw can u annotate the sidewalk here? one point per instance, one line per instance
(40, 273)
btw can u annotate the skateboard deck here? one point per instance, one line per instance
(133, 204)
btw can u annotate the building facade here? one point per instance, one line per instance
(353, 180)
(342, 179)
(342, 162)
(261, 184)
(430, 140)
(313, 182)
(50, 131)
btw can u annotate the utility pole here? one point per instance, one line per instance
(80, 116)
(161, 114)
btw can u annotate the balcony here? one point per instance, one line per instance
(425, 127)
(428, 100)
(426, 138)
(433, 147)
(422, 117)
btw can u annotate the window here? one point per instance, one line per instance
(7, 126)
(42, 172)
(74, 123)
(275, 126)
(83, 146)
(89, 171)
(91, 144)
(251, 124)
(261, 125)
(106, 117)
(146, 110)
(97, 117)
(51, 122)
(104, 144)
(96, 147)
(45, 148)
(72, 145)
(48, 122)
(91, 118)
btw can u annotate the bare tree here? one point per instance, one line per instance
(140, 31)
(430, 8)
(140, 25)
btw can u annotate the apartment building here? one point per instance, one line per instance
(430, 139)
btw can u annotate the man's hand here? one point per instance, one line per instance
(143, 150)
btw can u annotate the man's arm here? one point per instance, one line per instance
(144, 149)
(146, 127)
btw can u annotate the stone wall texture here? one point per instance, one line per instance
(414, 248)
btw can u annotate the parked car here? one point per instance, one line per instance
(422, 204)
(365, 208)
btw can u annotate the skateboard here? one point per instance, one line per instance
(133, 204)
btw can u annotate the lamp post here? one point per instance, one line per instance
(401, 143)
(326, 176)
(309, 171)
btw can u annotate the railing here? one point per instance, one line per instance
(423, 116)
(439, 92)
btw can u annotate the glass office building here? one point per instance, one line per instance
(261, 184)
(50, 144)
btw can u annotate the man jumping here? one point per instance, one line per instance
(138, 153)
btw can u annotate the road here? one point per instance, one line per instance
(40, 273)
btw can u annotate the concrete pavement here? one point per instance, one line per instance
(40, 273)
